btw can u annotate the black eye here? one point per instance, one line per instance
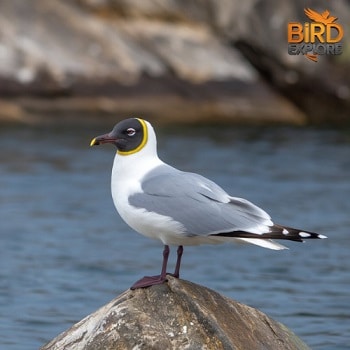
(131, 132)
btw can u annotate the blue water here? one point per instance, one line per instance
(64, 251)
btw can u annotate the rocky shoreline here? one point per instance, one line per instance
(176, 315)
(184, 62)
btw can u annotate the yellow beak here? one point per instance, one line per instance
(93, 142)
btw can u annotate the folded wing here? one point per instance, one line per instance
(205, 209)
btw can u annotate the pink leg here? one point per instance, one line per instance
(148, 281)
(180, 250)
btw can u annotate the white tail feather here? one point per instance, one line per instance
(265, 243)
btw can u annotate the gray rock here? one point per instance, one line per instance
(176, 315)
(174, 60)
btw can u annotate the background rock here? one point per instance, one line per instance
(167, 60)
(176, 315)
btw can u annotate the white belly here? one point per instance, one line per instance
(149, 224)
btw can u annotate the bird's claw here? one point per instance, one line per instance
(148, 281)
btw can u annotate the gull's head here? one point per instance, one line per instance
(130, 136)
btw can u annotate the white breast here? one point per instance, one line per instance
(127, 174)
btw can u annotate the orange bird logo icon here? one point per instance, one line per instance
(320, 35)
(320, 17)
(323, 18)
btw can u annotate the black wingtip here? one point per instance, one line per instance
(293, 234)
(276, 232)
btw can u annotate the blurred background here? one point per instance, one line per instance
(170, 60)
(226, 100)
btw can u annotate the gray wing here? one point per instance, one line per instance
(201, 206)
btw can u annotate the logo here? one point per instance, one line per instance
(321, 36)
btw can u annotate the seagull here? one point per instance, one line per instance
(180, 208)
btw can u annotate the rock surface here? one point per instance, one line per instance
(176, 315)
(171, 60)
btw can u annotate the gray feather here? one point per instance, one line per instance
(201, 206)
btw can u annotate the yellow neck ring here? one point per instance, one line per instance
(141, 145)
